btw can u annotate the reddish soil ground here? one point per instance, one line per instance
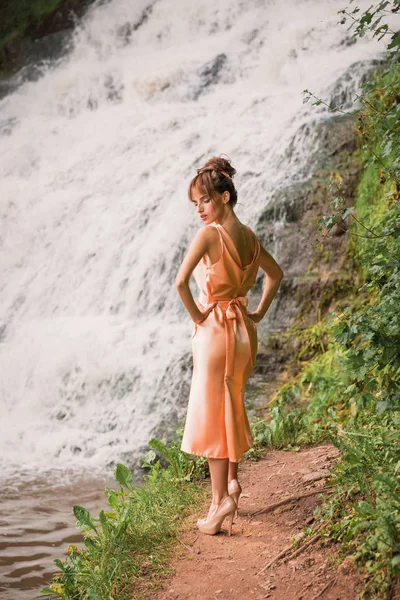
(220, 567)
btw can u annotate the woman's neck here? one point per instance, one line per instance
(228, 219)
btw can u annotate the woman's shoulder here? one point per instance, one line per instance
(250, 231)
(208, 235)
(208, 231)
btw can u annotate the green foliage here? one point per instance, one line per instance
(183, 466)
(373, 19)
(307, 410)
(364, 512)
(23, 19)
(135, 536)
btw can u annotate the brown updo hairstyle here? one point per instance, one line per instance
(215, 177)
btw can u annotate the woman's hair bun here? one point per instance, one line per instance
(221, 165)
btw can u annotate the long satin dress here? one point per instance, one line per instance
(224, 348)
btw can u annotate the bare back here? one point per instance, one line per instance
(243, 240)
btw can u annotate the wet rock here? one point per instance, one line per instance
(210, 74)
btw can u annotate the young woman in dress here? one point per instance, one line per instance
(224, 258)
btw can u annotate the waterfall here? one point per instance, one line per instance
(95, 161)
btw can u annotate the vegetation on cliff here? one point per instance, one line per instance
(349, 391)
(24, 21)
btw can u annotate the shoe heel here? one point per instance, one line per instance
(235, 490)
(230, 521)
(236, 496)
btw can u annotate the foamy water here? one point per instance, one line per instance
(95, 160)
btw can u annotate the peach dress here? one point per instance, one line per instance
(224, 349)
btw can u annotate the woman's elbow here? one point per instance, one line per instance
(180, 282)
(279, 276)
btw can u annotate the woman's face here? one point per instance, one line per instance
(207, 209)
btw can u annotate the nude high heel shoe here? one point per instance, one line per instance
(234, 490)
(213, 525)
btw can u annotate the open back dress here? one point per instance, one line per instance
(224, 348)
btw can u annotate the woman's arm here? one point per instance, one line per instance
(199, 246)
(273, 278)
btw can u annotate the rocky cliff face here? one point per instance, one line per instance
(32, 34)
(26, 32)
(317, 276)
(290, 226)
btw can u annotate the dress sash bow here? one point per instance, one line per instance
(234, 318)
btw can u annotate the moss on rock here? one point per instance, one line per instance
(23, 22)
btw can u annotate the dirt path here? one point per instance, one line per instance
(234, 568)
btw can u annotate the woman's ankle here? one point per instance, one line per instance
(219, 498)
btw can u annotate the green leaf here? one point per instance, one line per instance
(93, 595)
(124, 521)
(59, 564)
(113, 500)
(83, 517)
(124, 476)
(104, 522)
(149, 459)
(395, 40)
(396, 560)
(366, 18)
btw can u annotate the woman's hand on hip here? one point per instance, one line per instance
(255, 316)
(204, 314)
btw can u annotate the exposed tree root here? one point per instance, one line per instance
(280, 555)
(272, 507)
(313, 539)
(328, 585)
(277, 473)
(296, 552)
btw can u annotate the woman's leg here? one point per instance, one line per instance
(219, 481)
(234, 487)
(232, 470)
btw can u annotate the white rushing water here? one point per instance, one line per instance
(95, 160)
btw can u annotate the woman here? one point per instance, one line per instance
(224, 257)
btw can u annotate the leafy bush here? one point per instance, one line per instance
(134, 537)
(349, 393)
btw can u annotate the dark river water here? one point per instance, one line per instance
(37, 524)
